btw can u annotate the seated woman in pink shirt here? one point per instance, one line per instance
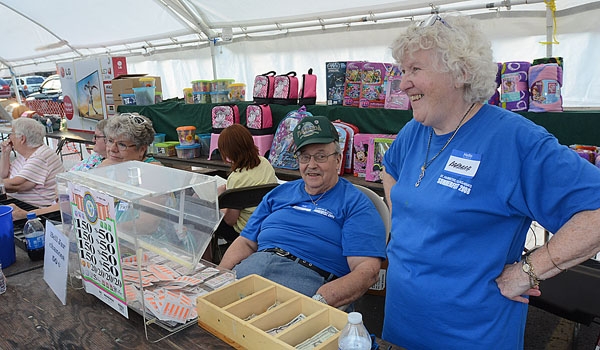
(30, 177)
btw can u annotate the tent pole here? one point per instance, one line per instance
(213, 58)
(549, 31)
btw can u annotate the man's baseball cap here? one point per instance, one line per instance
(315, 129)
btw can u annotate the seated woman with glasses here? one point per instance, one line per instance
(318, 235)
(99, 154)
(128, 136)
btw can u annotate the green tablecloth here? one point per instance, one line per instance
(577, 127)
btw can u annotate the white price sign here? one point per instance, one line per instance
(95, 229)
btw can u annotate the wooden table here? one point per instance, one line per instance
(34, 318)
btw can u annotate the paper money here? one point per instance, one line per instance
(318, 338)
(279, 329)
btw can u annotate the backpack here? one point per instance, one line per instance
(351, 130)
(308, 91)
(286, 89)
(343, 141)
(259, 119)
(224, 116)
(264, 85)
(283, 148)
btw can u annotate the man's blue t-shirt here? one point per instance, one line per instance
(343, 223)
(454, 233)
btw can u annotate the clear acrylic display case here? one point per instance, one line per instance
(160, 216)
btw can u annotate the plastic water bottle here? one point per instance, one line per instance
(2, 281)
(354, 336)
(34, 236)
(49, 128)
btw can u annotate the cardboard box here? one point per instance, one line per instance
(124, 84)
(243, 312)
(353, 83)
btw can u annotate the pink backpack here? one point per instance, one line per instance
(308, 91)
(264, 86)
(224, 116)
(259, 119)
(286, 89)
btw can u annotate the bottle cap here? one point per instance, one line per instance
(355, 317)
(31, 215)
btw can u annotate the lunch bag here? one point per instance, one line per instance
(224, 116)
(264, 86)
(286, 89)
(283, 148)
(308, 91)
(259, 119)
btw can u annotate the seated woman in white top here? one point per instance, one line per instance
(31, 176)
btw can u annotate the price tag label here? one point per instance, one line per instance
(98, 248)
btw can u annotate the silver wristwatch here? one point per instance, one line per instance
(319, 297)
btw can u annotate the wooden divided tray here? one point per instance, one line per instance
(243, 312)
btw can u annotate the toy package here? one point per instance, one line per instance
(361, 151)
(353, 83)
(395, 98)
(377, 148)
(372, 92)
(336, 77)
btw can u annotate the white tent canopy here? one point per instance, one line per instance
(184, 40)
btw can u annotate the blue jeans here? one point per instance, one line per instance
(281, 270)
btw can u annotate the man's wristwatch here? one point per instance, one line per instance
(534, 281)
(319, 297)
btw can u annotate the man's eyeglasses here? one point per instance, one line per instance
(431, 21)
(120, 145)
(319, 157)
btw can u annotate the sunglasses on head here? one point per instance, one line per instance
(431, 21)
(136, 118)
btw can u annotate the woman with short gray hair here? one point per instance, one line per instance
(128, 136)
(31, 177)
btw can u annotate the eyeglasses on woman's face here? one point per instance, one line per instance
(122, 146)
(96, 137)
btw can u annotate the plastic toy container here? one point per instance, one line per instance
(219, 96)
(201, 97)
(188, 95)
(201, 85)
(187, 135)
(144, 96)
(128, 99)
(166, 148)
(237, 92)
(159, 137)
(221, 84)
(188, 152)
(147, 81)
(204, 140)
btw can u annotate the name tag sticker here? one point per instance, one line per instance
(463, 163)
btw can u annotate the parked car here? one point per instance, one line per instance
(27, 84)
(49, 90)
(4, 89)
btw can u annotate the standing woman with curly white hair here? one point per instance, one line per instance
(464, 181)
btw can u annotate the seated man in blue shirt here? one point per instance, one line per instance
(318, 235)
